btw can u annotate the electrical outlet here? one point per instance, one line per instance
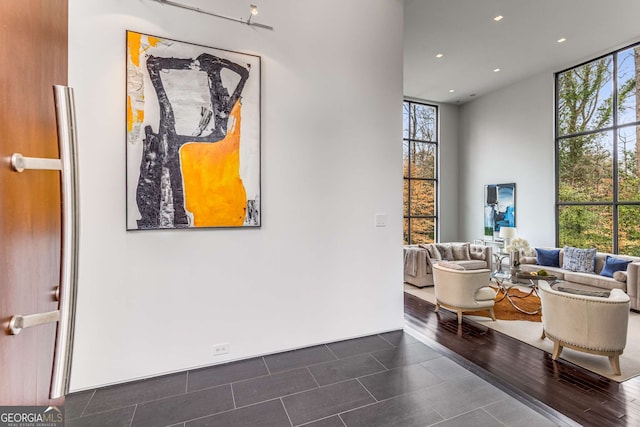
(219, 349)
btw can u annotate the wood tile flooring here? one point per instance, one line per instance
(585, 397)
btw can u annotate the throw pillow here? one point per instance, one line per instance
(611, 265)
(579, 260)
(445, 252)
(451, 265)
(620, 276)
(460, 251)
(477, 255)
(529, 260)
(434, 253)
(548, 257)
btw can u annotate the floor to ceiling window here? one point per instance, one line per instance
(597, 145)
(420, 172)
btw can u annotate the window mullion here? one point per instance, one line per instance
(614, 135)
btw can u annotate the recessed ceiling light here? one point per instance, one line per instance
(562, 40)
(440, 55)
(451, 90)
(498, 18)
(495, 70)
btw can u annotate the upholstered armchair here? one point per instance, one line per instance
(463, 290)
(591, 324)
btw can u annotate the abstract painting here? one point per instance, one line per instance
(499, 207)
(193, 135)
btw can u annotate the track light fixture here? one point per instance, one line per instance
(253, 10)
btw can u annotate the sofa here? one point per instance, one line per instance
(628, 281)
(419, 259)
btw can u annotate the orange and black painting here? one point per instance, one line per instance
(193, 135)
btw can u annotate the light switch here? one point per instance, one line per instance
(381, 220)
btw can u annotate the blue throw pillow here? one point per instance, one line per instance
(548, 257)
(579, 260)
(611, 265)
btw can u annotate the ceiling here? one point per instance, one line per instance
(522, 44)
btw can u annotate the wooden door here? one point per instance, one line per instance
(33, 57)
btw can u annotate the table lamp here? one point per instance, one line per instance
(508, 234)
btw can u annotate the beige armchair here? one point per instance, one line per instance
(590, 324)
(463, 290)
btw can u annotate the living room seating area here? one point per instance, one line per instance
(578, 270)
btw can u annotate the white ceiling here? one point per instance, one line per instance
(522, 44)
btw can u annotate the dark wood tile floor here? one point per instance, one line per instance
(585, 397)
(390, 379)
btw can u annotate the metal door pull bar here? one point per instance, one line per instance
(67, 143)
(66, 293)
(20, 163)
(19, 322)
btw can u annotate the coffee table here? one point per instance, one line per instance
(505, 285)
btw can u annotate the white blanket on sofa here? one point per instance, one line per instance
(413, 257)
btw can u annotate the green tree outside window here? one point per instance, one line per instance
(597, 145)
(420, 147)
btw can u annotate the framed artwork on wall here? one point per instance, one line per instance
(499, 207)
(193, 135)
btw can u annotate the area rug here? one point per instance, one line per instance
(503, 309)
(530, 332)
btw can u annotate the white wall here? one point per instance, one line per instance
(507, 136)
(318, 270)
(449, 194)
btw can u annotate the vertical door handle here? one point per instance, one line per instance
(67, 141)
(66, 291)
